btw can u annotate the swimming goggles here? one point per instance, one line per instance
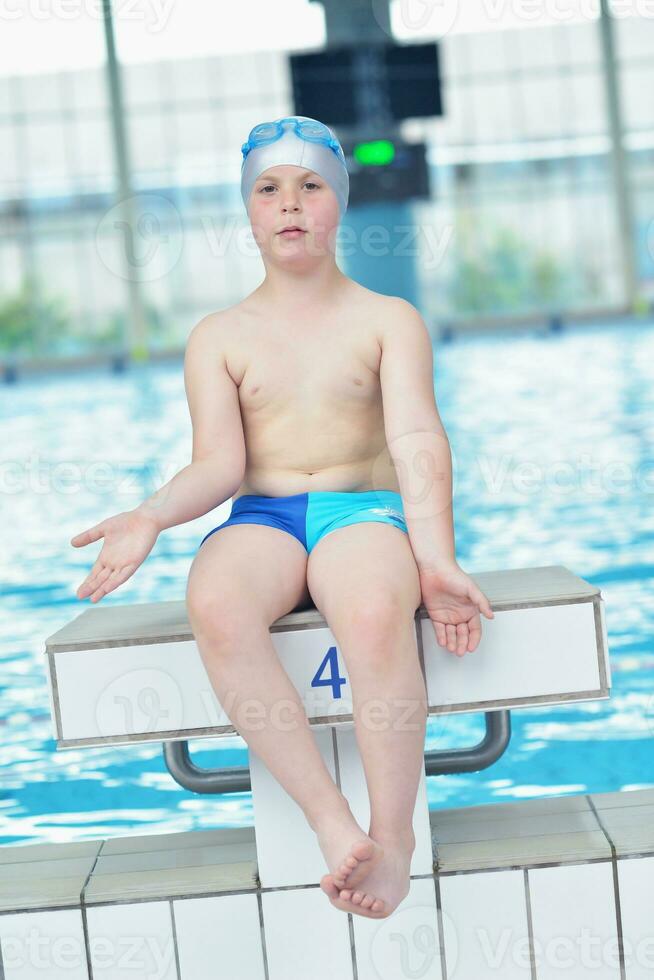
(312, 132)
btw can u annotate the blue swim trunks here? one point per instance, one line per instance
(310, 516)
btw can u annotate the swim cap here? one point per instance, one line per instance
(323, 154)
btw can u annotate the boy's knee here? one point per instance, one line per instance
(220, 611)
(376, 616)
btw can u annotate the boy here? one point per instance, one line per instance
(312, 406)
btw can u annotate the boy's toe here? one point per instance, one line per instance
(341, 898)
(329, 886)
(345, 869)
(362, 900)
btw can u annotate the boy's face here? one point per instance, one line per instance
(288, 195)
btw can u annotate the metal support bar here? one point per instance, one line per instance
(480, 756)
(236, 779)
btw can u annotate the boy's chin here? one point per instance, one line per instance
(295, 251)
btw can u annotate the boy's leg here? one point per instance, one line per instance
(243, 578)
(364, 580)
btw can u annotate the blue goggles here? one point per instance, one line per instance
(312, 132)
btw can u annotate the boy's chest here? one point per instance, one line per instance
(307, 373)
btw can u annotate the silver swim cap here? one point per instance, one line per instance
(283, 141)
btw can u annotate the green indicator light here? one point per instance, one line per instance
(376, 153)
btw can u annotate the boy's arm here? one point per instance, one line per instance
(415, 434)
(218, 459)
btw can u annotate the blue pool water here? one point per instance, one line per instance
(553, 446)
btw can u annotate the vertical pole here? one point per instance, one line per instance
(619, 163)
(136, 338)
(347, 21)
(368, 24)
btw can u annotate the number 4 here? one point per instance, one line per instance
(335, 681)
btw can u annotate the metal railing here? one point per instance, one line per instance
(236, 779)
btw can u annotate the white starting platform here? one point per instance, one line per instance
(246, 903)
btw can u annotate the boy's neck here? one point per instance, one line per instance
(285, 290)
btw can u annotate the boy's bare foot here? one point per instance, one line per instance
(383, 888)
(349, 852)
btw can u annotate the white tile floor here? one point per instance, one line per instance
(514, 885)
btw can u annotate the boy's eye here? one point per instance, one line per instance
(307, 182)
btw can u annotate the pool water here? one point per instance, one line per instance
(552, 439)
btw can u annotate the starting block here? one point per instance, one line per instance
(120, 674)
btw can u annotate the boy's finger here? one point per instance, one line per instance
(98, 565)
(482, 602)
(107, 585)
(86, 537)
(87, 585)
(123, 575)
(94, 581)
(475, 636)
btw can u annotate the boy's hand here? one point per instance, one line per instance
(453, 602)
(128, 539)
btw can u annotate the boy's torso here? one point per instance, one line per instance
(310, 396)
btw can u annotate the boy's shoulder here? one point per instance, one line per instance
(209, 331)
(383, 304)
(391, 310)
